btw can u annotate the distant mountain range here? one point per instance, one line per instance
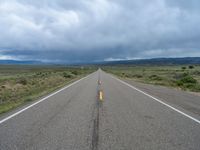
(153, 61)
(13, 62)
(157, 61)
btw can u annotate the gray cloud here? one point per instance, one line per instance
(93, 30)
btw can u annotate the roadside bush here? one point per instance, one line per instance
(179, 76)
(197, 88)
(67, 75)
(42, 74)
(188, 82)
(190, 67)
(75, 72)
(137, 76)
(38, 73)
(179, 83)
(188, 79)
(183, 68)
(196, 72)
(122, 74)
(155, 77)
(128, 75)
(22, 81)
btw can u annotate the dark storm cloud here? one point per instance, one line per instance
(94, 30)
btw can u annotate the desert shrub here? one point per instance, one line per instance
(137, 76)
(67, 75)
(190, 67)
(196, 72)
(5, 96)
(178, 76)
(75, 72)
(179, 83)
(197, 88)
(188, 79)
(155, 77)
(183, 68)
(22, 81)
(28, 99)
(122, 74)
(38, 73)
(42, 74)
(128, 75)
(188, 82)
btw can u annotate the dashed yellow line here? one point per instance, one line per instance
(101, 95)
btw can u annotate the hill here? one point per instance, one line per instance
(157, 61)
(9, 62)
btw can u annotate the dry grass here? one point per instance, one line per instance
(20, 84)
(182, 77)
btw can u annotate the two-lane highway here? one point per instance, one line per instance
(77, 118)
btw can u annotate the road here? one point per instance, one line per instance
(76, 118)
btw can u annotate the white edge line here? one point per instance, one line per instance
(184, 114)
(41, 100)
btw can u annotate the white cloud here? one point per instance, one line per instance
(4, 57)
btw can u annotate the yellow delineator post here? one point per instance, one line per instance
(101, 95)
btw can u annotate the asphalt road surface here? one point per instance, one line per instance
(101, 112)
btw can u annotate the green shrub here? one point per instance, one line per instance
(22, 81)
(137, 76)
(196, 72)
(67, 75)
(122, 74)
(183, 68)
(188, 82)
(188, 79)
(179, 83)
(197, 88)
(190, 67)
(155, 77)
(75, 72)
(179, 76)
(128, 75)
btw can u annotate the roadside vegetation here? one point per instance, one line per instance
(183, 77)
(23, 83)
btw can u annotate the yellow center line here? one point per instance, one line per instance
(100, 92)
(101, 95)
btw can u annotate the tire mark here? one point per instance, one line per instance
(95, 135)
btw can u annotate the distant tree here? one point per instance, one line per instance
(191, 67)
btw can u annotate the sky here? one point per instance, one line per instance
(98, 30)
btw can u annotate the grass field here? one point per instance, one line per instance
(182, 77)
(23, 83)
